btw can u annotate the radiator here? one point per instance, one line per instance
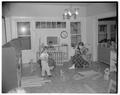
(58, 56)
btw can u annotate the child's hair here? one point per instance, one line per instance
(50, 42)
(44, 48)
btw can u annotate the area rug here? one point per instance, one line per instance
(33, 81)
(88, 73)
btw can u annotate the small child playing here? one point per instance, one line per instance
(44, 63)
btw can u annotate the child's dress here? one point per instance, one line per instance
(44, 64)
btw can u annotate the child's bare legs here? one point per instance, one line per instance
(45, 68)
(48, 71)
(43, 71)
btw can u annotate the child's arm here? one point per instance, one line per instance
(41, 57)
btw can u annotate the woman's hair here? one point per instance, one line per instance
(80, 44)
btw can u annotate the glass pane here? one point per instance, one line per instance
(73, 39)
(53, 24)
(23, 28)
(75, 27)
(25, 43)
(43, 25)
(63, 24)
(58, 24)
(37, 25)
(78, 38)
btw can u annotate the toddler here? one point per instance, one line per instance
(44, 63)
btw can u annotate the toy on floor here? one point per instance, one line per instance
(62, 75)
(32, 68)
(106, 74)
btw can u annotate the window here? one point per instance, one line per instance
(75, 33)
(113, 30)
(24, 35)
(102, 32)
(48, 25)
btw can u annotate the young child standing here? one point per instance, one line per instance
(44, 63)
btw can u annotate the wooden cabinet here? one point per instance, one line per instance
(9, 68)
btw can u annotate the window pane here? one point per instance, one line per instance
(37, 25)
(23, 28)
(25, 43)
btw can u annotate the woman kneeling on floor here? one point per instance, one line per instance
(79, 59)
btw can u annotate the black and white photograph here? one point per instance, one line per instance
(59, 47)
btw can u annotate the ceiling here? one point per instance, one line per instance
(53, 3)
(74, 3)
(66, 4)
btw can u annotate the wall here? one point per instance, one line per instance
(41, 34)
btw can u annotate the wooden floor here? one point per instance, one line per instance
(69, 84)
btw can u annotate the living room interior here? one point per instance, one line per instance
(28, 27)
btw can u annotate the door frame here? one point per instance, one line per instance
(105, 15)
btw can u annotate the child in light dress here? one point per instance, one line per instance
(44, 63)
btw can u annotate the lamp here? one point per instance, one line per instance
(68, 13)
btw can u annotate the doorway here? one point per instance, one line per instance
(107, 38)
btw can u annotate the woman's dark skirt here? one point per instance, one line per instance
(79, 61)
